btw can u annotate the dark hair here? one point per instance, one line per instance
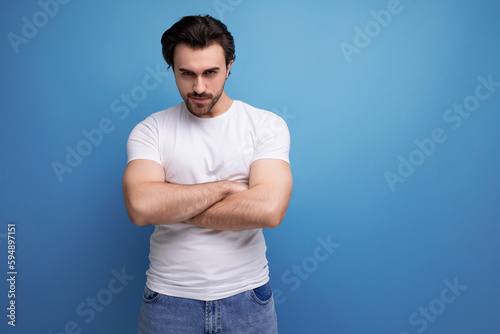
(198, 32)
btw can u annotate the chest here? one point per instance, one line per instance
(196, 154)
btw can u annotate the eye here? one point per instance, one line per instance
(187, 73)
(211, 72)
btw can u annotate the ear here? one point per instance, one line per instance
(228, 69)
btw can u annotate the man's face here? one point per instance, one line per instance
(200, 76)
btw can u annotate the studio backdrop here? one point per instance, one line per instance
(393, 108)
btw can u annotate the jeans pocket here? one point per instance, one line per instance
(263, 294)
(150, 296)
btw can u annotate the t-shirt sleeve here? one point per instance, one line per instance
(273, 140)
(143, 142)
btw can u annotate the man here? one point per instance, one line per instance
(209, 173)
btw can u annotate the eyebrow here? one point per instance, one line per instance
(210, 69)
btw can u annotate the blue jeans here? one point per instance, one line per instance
(247, 312)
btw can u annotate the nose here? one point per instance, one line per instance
(199, 85)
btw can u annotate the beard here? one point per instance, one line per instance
(200, 109)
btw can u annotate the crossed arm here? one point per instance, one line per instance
(221, 205)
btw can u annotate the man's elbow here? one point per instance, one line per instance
(137, 219)
(273, 223)
(274, 217)
(136, 213)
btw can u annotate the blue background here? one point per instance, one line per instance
(352, 119)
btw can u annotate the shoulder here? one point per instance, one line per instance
(156, 123)
(161, 118)
(166, 114)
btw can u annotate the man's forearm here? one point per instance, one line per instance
(159, 203)
(245, 210)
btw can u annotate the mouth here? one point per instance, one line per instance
(199, 99)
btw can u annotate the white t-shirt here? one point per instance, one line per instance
(188, 261)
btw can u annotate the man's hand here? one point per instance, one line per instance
(236, 187)
(263, 204)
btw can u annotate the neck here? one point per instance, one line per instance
(222, 105)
